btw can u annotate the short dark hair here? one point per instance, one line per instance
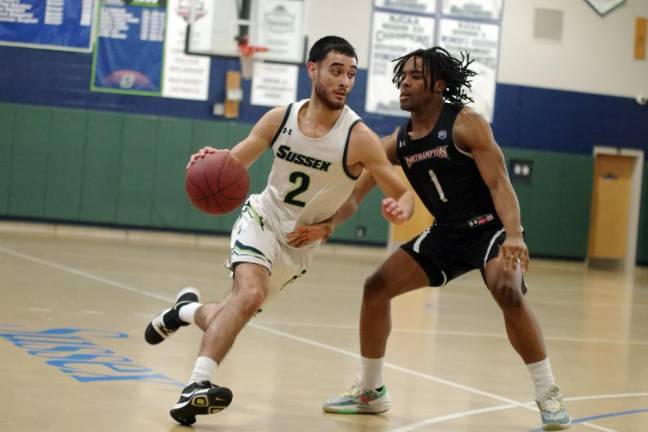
(441, 66)
(325, 45)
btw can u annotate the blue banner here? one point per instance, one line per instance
(55, 24)
(129, 50)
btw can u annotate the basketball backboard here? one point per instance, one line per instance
(215, 28)
(279, 26)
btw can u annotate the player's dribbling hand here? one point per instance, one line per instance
(201, 154)
(393, 211)
(305, 235)
(514, 252)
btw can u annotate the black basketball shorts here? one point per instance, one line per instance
(445, 257)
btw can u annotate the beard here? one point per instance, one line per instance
(407, 106)
(329, 103)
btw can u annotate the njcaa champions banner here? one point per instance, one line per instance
(481, 40)
(51, 24)
(393, 35)
(460, 26)
(128, 54)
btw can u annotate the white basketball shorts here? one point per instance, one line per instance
(255, 241)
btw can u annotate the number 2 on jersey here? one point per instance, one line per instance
(302, 181)
(437, 185)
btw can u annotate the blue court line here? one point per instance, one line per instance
(596, 417)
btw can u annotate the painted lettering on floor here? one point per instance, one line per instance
(74, 352)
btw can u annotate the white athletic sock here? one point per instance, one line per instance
(371, 372)
(187, 313)
(542, 376)
(203, 370)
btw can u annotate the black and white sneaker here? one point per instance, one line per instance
(168, 321)
(200, 398)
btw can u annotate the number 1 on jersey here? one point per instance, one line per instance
(437, 185)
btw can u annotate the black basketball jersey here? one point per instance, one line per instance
(445, 178)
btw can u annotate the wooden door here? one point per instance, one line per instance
(608, 237)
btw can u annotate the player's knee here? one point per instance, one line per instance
(251, 298)
(376, 287)
(507, 293)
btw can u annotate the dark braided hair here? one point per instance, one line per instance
(441, 65)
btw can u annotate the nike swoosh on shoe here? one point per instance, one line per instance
(195, 392)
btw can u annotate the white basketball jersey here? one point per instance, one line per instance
(309, 180)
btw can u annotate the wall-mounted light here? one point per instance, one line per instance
(520, 171)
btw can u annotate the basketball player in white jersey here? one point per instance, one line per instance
(321, 147)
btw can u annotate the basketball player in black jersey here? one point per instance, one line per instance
(450, 157)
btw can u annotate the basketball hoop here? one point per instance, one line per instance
(246, 55)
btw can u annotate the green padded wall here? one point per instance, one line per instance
(29, 161)
(65, 167)
(170, 206)
(31, 138)
(577, 173)
(7, 119)
(101, 164)
(555, 206)
(115, 169)
(137, 170)
(128, 170)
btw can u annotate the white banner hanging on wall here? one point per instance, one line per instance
(480, 9)
(471, 26)
(393, 36)
(279, 26)
(426, 7)
(184, 76)
(481, 40)
(274, 84)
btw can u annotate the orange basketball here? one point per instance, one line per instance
(217, 183)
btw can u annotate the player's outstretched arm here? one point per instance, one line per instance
(366, 183)
(473, 133)
(366, 150)
(259, 139)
